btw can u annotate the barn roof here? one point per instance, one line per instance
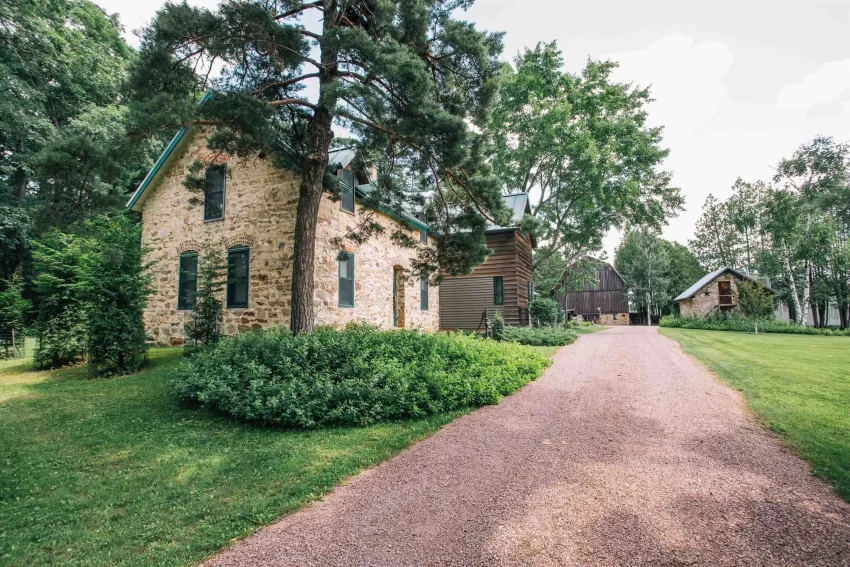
(708, 278)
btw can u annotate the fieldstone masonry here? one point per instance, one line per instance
(259, 212)
(707, 299)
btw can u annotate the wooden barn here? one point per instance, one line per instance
(604, 300)
(502, 283)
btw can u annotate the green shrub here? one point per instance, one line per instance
(498, 326)
(357, 376)
(734, 322)
(539, 336)
(544, 311)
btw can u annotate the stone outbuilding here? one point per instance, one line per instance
(714, 293)
(248, 213)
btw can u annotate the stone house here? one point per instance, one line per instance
(248, 212)
(714, 293)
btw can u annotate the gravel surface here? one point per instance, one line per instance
(626, 452)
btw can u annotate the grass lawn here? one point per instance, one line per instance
(113, 471)
(798, 385)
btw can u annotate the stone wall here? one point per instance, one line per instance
(614, 319)
(706, 300)
(259, 212)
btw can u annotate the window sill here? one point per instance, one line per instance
(352, 213)
(345, 306)
(214, 220)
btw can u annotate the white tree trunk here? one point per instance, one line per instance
(797, 310)
(807, 292)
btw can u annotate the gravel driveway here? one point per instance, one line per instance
(625, 452)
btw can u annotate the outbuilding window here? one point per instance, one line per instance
(423, 234)
(238, 260)
(214, 193)
(346, 279)
(187, 280)
(498, 290)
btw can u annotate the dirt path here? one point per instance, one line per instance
(625, 453)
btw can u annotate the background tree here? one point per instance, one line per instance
(683, 270)
(204, 326)
(754, 301)
(716, 241)
(580, 145)
(13, 309)
(641, 258)
(404, 76)
(61, 322)
(114, 284)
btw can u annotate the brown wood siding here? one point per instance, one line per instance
(461, 305)
(608, 293)
(463, 300)
(524, 274)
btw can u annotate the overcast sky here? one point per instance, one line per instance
(738, 84)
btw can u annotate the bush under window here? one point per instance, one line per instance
(357, 376)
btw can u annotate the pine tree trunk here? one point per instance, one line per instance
(302, 314)
(794, 297)
(319, 136)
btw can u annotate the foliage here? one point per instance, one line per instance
(548, 270)
(115, 439)
(203, 328)
(641, 258)
(498, 326)
(539, 336)
(15, 224)
(795, 234)
(581, 142)
(755, 301)
(741, 324)
(13, 307)
(797, 385)
(357, 376)
(544, 311)
(61, 322)
(114, 284)
(412, 83)
(683, 270)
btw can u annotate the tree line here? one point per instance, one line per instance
(791, 230)
(424, 94)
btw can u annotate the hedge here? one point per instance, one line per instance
(539, 336)
(733, 322)
(357, 376)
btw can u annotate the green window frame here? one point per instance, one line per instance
(187, 281)
(423, 292)
(238, 271)
(216, 178)
(498, 290)
(345, 272)
(348, 185)
(530, 290)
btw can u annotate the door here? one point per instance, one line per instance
(395, 298)
(724, 290)
(398, 297)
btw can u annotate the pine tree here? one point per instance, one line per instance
(404, 76)
(204, 327)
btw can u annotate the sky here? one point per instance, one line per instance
(738, 85)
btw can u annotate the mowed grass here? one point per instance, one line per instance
(798, 385)
(115, 472)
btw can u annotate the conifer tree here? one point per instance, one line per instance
(406, 77)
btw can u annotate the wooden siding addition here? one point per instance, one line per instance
(464, 298)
